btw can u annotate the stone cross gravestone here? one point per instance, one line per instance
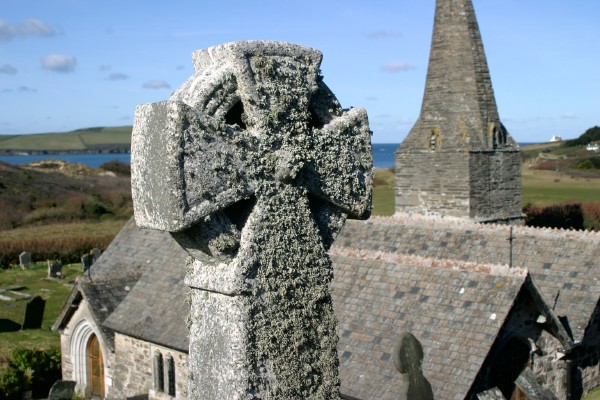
(253, 166)
(408, 359)
(34, 313)
(25, 260)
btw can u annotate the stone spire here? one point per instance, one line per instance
(459, 105)
(458, 116)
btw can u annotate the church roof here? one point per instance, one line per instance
(564, 264)
(456, 316)
(155, 309)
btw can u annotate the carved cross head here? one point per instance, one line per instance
(254, 118)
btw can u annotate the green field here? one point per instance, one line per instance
(79, 140)
(383, 192)
(543, 188)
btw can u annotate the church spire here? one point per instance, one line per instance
(459, 109)
(458, 159)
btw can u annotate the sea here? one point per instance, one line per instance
(383, 157)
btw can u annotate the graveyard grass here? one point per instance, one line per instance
(34, 282)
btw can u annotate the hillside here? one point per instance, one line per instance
(89, 140)
(55, 191)
(574, 161)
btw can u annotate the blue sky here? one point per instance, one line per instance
(70, 64)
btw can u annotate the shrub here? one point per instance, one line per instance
(565, 216)
(591, 215)
(589, 163)
(585, 164)
(118, 167)
(11, 384)
(29, 369)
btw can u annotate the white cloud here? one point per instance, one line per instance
(383, 34)
(156, 84)
(569, 115)
(29, 27)
(35, 27)
(105, 67)
(8, 69)
(180, 67)
(397, 66)
(117, 76)
(59, 63)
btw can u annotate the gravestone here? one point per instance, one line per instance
(34, 313)
(25, 260)
(54, 269)
(62, 390)
(86, 262)
(253, 166)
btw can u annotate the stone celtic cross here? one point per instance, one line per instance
(253, 166)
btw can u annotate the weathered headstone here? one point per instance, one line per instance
(86, 262)
(95, 254)
(25, 260)
(34, 313)
(62, 390)
(253, 166)
(54, 269)
(408, 359)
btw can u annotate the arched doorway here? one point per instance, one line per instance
(95, 368)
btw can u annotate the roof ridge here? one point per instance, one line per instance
(456, 223)
(429, 262)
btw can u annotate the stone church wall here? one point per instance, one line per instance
(549, 370)
(589, 363)
(476, 184)
(432, 181)
(495, 192)
(135, 369)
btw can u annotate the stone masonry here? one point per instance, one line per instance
(253, 167)
(458, 159)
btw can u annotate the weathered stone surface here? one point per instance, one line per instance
(62, 390)
(253, 167)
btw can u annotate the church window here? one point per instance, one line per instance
(170, 376)
(159, 372)
(434, 139)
